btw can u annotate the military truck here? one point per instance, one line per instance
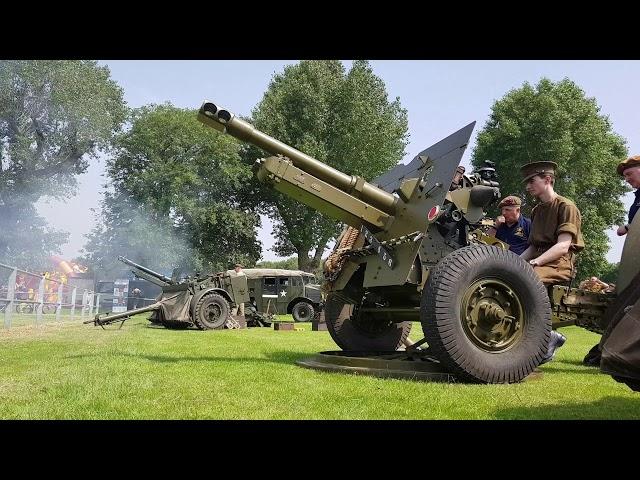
(203, 301)
(279, 291)
(416, 249)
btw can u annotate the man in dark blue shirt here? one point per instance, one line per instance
(630, 170)
(511, 227)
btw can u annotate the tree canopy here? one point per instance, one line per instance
(55, 115)
(285, 264)
(178, 197)
(344, 119)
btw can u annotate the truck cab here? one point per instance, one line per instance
(280, 292)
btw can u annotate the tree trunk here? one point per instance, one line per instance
(317, 257)
(304, 262)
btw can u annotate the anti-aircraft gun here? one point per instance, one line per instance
(201, 301)
(414, 250)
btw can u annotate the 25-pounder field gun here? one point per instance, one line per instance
(202, 301)
(414, 249)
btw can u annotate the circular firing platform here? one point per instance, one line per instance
(415, 365)
(399, 364)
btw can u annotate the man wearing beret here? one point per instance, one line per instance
(555, 236)
(511, 227)
(630, 170)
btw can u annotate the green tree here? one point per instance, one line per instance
(178, 196)
(286, 264)
(54, 117)
(610, 273)
(556, 121)
(341, 118)
(26, 240)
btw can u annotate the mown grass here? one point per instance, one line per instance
(31, 318)
(67, 370)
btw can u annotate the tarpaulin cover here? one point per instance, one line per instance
(174, 306)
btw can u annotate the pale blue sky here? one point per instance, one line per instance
(440, 96)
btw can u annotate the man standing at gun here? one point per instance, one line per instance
(137, 296)
(239, 310)
(556, 234)
(630, 170)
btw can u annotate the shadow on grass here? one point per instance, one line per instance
(284, 357)
(608, 408)
(577, 362)
(557, 368)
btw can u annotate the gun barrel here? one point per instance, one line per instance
(117, 316)
(146, 270)
(221, 119)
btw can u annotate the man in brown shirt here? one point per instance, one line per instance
(556, 223)
(555, 235)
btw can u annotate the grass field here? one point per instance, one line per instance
(26, 319)
(68, 370)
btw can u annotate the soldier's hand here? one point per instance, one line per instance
(622, 230)
(499, 221)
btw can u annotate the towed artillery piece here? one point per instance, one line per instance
(415, 249)
(201, 301)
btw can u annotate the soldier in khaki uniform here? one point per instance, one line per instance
(239, 310)
(555, 236)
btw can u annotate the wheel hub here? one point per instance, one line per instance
(492, 315)
(213, 312)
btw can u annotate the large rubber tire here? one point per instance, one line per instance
(24, 308)
(48, 309)
(303, 312)
(211, 312)
(351, 331)
(458, 283)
